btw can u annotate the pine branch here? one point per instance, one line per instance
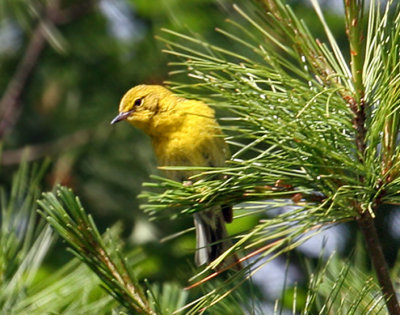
(354, 28)
(354, 11)
(64, 213)
(354, 25)
(299, 116)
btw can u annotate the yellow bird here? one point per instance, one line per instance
(183, 133)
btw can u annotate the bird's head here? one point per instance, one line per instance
(141, 103)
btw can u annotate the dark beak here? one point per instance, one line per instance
(121, 116)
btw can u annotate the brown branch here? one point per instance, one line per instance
(359, 126)
(37, 151)
(367, 226)
(10, 105)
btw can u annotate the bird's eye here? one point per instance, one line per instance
(138, 102)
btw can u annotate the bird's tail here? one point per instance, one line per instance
(212, 239)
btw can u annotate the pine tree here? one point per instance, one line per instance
(308, 130)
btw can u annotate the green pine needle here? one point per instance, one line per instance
(291, 103)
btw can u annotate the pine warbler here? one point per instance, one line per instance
(183, 133)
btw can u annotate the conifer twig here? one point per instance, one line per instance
(305, 119)
(354, 26)
(66, 215)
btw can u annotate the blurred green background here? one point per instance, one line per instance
(69, 89)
